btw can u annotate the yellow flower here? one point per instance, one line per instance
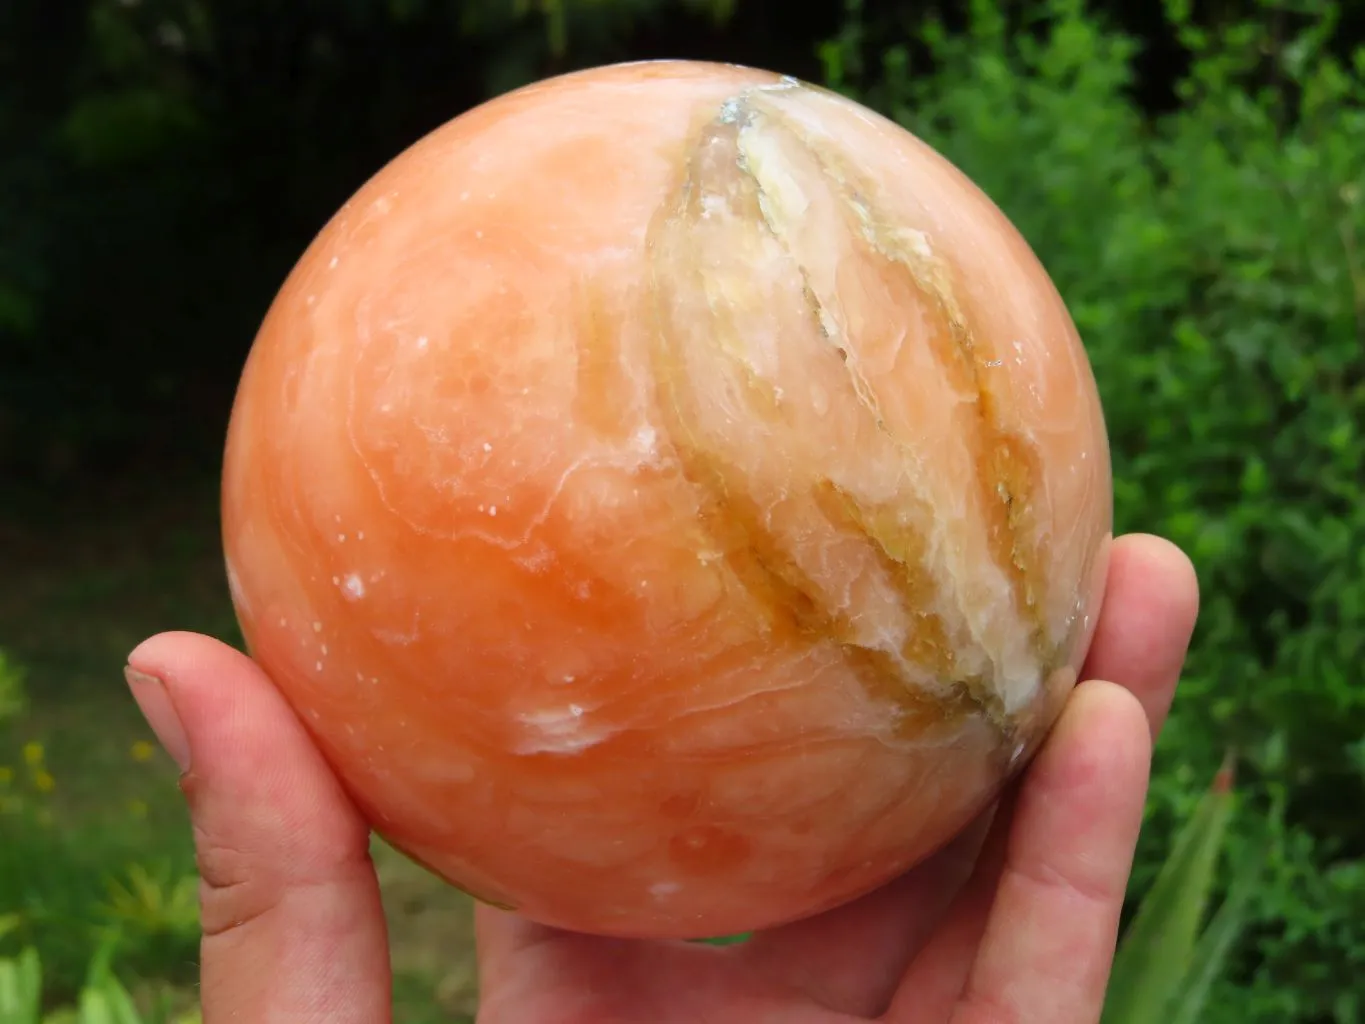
(143, 751)
(43, 781)
(33, 753)
(6, 775)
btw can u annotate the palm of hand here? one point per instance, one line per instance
(1014, 921)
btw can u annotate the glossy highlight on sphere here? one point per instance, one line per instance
(674, 498)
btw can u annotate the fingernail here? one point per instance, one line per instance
(151, 696)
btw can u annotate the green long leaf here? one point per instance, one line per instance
(21, 988)
(105, 1000)
(1215, 944)
(1158, 949)
(95, 1008)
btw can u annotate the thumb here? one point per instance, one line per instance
(293, 929)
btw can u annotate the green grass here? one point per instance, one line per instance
(104, 839)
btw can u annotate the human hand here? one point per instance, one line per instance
(1014, 921)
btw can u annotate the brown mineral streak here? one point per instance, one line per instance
(1008, 469)
(734, 521)
(901, 554)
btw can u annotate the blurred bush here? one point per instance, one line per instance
(102, 999)
(1214, 260)
(71, 889)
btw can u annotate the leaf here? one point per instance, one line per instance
(1216, 943)
(94, 1008)
(21, 988)
(725, 940)
(1157, 951)
(104, 1000)
(120, 1003)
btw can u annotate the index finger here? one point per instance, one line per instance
(1146, 621)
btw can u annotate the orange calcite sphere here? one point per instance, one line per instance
(674, 498)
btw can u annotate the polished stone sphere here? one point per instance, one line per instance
(674, 498)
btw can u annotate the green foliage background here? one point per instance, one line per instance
(162, 162)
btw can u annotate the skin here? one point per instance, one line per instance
(1014, 922)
